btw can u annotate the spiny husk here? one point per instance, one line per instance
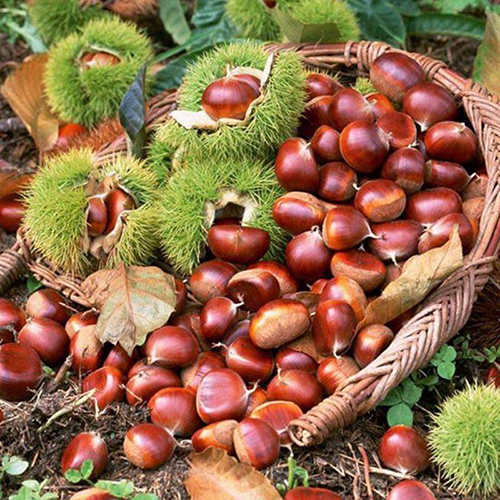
(87, 97)
(272, 121)
(55, 220)
(56, 19)
(364, 86)
(183, 202)
(465, 440)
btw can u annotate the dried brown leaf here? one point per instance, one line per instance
(25, 93)
(421, 274)
(13, 182)
(214, 475)
(133, 302)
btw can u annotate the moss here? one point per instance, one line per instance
(56, 19)
(89, 96)
(272, 121)
(183, 202)
(56, 201)
(465, 440)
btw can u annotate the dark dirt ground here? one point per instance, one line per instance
(337, 464)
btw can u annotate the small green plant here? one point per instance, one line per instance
(465, 440)
(33, 490)
(11, 466)
(487, 355)
(405, 396)
(297, 476)
(119, 489)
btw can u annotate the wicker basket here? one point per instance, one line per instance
(438, 319)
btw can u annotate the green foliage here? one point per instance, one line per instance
(183, 201)
(297, 476)
(174, 19)
(272, 121)
(89, 96)
(33, 490)
(75, 476)
(456, 6)
(465, 440)
(487, 355)
(435, 23)
(56, 19)
(11, 466)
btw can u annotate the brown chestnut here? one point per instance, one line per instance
(337, 182)
(210, 279)
(451, 141)
(429, 206)
(98, 59)
(348, 106)
(344, 228)
(258, 397)
(319, 84)
(142, 386)
(87, 350)
(78, 321)
(119, 358)
(380, 200)
(217, 434)
(50, 304)
(253, 288)
(85, 446)
(316, 114)
(400, 128)
(380, 105)
(332, 372)
(406, 168)
(446, 174)
(346, 290)
(325, 144)
(217, 316)
(290, 359)
(249, 361)
(11, 316)
(117, 202)
(108, 382)
(206, 362)
(370, 342)
(286, 280)
(11, 212)
(410, 490)
(97, 216)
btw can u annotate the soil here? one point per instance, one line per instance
(337, 464)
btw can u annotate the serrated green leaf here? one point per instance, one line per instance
(411, 392)
(87, 468)
(174, 20)
(15, 466)
(434, 23)
(446, 370)
(73, 476)
(400, 414)
(394, 397)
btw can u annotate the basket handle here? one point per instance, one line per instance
(12, 267)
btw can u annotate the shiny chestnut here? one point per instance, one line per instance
(253, 288)
(406, 168)
(210, 279)
(380, 200)
(337, 182)
(333, 372)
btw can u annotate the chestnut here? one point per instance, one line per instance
(221, 395)
(286, 280)
(171, 347)
(451, 141)
(428, 103)
(6, 336)
(241, 329)
(370, 342)
(295, 166)
(67, 133)
(216, 317)
(403, 449)
(290, 359)
(148, 446)
(117, 202)
(362, 267)
(87, 350)
(11, 316)
(256, 443)
(258, 397)
(175, 409)
(297, 386)
(406, 168)
(308, 493)
(344, 228)
(228, 97)
(346, 290)
(325, 144)
(307, 256)
(393, 73)
(279, 322)
(142, 386)
(333, 327)
(20, 372)
(337, 182)
(319, 285)
(181, 295)
(319, 84)
(249, 361)
(278, 414)
(348, 106)
(493, 376)
(97, 59)
(11, 212)
(119, 358)
(396, 240)
(380, 105)
(439, 232)
(49, 304)
(218, 434)
(364, 146)
(251, 80)
(47, 338)
(253, 288)
(410, 490)
(109, 384)
(429, 206)
(97, 216)
(380, 200)
(210, 279)
(316, 114)
(333, 372)
(400, 128)
(206, 362)
(297, 212)
(473, 209)
(79, 320)
(92, 494)
(85, 446)
(477, 186)
(446, 174)
(238, 244)
(189, 320)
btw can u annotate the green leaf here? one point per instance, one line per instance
(120, 489)
(174, 20)
(73, 476)
(379, 20)
(406, 7)
(208, 12)
(33, 284)
(411, 392)
(394, 397)
(32, 485)
(133, 114)
(86, 469)
(429, 381)
(448, 353)
(15, 466)
(30, 35)
(400, 414)
(446, 370)
(145, 496)
(434, 23)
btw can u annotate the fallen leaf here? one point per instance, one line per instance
(486, 65)
(25, 93)
(421, 274)
(13, 182)
(214, 475)
(133, 301)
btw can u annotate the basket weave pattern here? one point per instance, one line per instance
(442, 314)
